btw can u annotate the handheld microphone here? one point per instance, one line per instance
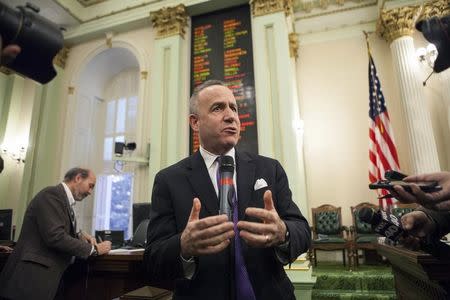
(381, 224)
(226, 186)
(391, 229)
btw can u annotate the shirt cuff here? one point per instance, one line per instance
(188, 266)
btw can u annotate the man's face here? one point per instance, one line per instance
(83, 187)
(217, 121)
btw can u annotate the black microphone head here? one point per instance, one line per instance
(226, 164)
(366, 215)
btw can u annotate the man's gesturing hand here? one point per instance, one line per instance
(205, 236)
(270, 233)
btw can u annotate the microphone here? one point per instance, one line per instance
(391, 229)
(381, 224)
(226, 186)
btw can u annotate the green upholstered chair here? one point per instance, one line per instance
(328, 232)
(401, 209)
(363, 237)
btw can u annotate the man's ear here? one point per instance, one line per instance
(193, 121)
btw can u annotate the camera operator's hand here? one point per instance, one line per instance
(418, 223)
(8, 53)
(439, 200)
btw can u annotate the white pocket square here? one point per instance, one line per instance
(260, 183)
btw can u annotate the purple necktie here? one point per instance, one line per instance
(244, 289)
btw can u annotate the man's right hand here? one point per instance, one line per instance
(418, 223)
(205, 236)
(103, 247)
(439, 200)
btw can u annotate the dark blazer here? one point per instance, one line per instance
(44, 250)
(173, 191)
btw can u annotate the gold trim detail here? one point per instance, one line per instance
(373, 3)
(108, 39)
(87, 3)
(293, 45)
(144, 75)
(266, 7)
(395, 23)
(435, 8)
(71, 90)
(61, 58)
(170, 21)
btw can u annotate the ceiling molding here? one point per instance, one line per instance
(314, 14)
(87, 3)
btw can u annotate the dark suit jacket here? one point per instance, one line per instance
(44, 250)
(173, 191)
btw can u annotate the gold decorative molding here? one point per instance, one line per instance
(86, 3)
(144, 75)
(266, 7)
(61, 58)
(170, 21)
(395, 23)
(71, 90)
(108, 38)
(293, 45)
(435, 8)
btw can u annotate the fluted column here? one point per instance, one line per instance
(445, 82)
(169, 140)
(280, 131)
(396, 26)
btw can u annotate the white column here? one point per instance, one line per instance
(445, 81)
(279, 125)
(397, 26)
(169, 96)
(421, 138)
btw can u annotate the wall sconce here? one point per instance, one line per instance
(427, 56)
(15, 152)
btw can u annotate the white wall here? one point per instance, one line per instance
(333, 95)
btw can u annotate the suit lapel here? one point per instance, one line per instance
(245, 178)
(65, 200)
(202, 185)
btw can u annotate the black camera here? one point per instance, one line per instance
(39, 39)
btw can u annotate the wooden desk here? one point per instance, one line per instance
(105, 277)
(417, 275)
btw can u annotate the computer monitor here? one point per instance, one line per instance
(5, 224)
(141, 211)
(114, 236)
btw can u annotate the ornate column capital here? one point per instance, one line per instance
(293, 45)
(435, 8)
(266, 7)
(170, 21)
(61, 58)
(395, 23)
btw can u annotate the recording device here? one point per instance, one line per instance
(427, 187)
(39, 39)
(437, 31)
(226, 187)
(389, 226)
(382, 224)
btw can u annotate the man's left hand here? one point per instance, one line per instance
(271, 232)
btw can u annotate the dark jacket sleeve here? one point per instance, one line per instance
(162, 254)
(51, 216)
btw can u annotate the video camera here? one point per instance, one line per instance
(39, 39)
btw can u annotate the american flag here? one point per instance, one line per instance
(382, 150)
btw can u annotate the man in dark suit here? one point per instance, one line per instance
(49, 241)
(199, 251)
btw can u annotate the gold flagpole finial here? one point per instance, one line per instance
(367, 40)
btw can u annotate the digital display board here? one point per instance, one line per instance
(221, 49)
